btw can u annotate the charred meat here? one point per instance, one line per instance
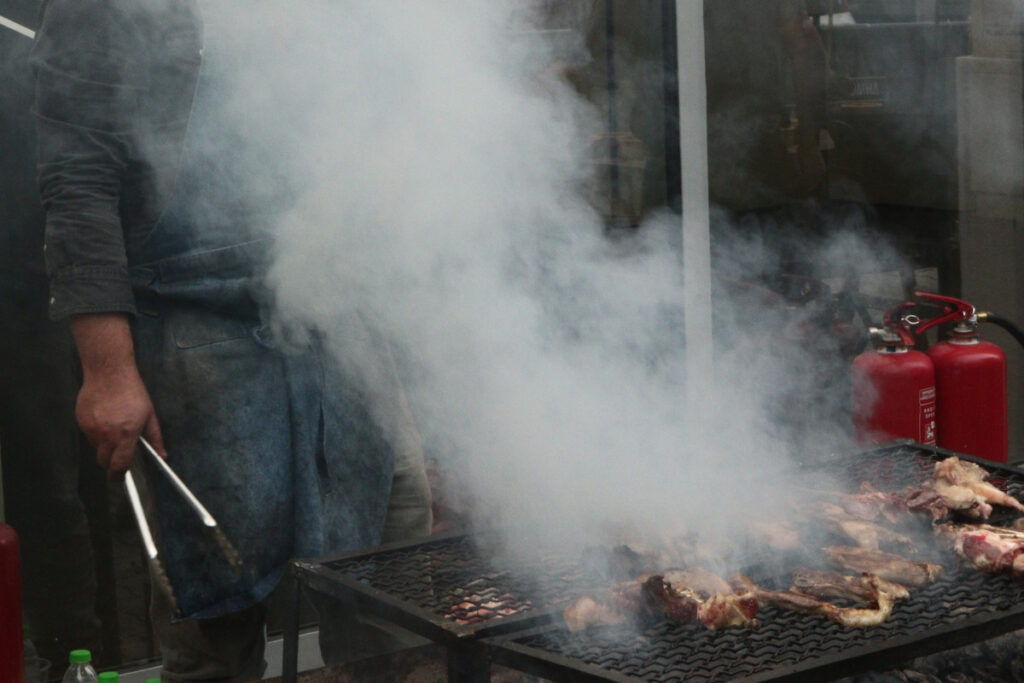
(689, 596)
(826, 585)
(715, 606)
(886, 565)
(881, 599)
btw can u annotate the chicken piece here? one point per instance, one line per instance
(825, 585)
(956, 473)
(962, 499)
(863, 533)
(885, 565)
(882, 604)
(991, 549)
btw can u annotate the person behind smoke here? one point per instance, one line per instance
(158, 215)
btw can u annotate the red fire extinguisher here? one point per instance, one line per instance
(12, 664)
(970, 379)
(893, 385)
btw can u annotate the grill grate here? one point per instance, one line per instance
(458, 589)
(781, 643)
(962, 607)
(453, 586)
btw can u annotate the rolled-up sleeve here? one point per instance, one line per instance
(88, 84)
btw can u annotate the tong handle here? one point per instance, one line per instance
(207, 518)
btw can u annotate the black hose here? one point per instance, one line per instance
(1003, 323)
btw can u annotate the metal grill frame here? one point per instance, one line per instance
(471, 647)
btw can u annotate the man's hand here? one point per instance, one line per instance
(113, 406)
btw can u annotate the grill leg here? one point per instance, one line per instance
(290, 655)
(468, 663)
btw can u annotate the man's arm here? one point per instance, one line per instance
(85, 94)
(113, 406)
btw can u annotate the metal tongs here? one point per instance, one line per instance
(160, 575)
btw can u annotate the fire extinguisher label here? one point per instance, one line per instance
(926, 401)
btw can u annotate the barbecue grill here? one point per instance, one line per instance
(455, 591)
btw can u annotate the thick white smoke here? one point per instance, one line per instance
(438, 157)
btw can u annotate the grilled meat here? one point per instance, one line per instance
(963, 486)
(883, 564)
(734, 609)
(825, 585)
(975, 477)
(716, 608)
(869, 504)
(677, 603)
(863, 533)
(590, 611)
(625, 601)
(699, 580)
(991, 549)
(926, 500)
(692, 595)
(883, 597)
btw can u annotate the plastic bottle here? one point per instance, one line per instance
(32, 674)
(81, 670)
(108, 677)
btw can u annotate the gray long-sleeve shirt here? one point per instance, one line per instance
(114, 87)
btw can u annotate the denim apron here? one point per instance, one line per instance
(276, 442)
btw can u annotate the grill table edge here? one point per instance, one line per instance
(889, 654)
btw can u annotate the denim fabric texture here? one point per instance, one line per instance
(276, 444)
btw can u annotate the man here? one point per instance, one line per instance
(159, 217)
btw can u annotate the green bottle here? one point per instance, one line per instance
(108, 677)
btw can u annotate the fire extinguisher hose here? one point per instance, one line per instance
(1002, 322)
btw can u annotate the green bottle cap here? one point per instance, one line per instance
(80, 657)
(151, 680)
(108, 677)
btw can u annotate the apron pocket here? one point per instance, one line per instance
(195, 328)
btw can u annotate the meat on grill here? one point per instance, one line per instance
(880, 601)
(624, 601)
(964, 488)
(869, 504)
(692, 595)
(680, 602)
(883, 564)
(826, 585)
(991, 549)
(865, 534)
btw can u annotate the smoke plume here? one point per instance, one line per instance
(436, 156)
